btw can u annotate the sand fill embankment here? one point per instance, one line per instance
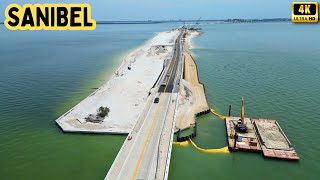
(126, 92)
(192, 97)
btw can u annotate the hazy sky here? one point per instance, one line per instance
(174, 9)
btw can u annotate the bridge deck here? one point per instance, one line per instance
(147, 153)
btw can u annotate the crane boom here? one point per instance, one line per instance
(196, 23)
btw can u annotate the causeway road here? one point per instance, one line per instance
(138, 158)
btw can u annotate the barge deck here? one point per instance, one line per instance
(263, 135)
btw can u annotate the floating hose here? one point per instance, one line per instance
(184, 143)
(217, 114)
(218, 150)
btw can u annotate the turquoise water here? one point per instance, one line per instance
(276, 68)
(43, 74)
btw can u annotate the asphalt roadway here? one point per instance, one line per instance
(138, 157)
(141, 160)
(173, 67)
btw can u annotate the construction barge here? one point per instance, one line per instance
(258, 135)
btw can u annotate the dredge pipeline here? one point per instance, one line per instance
(187, 119)
(217, 114)
(194, 126)
(189, 141)
(185, 141)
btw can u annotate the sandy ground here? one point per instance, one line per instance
(192, 97)
(271, 135)
(126, 92)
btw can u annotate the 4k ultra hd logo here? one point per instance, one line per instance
(305, 12)
(49, 17)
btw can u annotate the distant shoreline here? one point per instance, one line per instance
(129, 22)
(203, 21)
(235, 20)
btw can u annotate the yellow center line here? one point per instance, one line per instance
(153, 121)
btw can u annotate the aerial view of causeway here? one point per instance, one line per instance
(142, 94)
(156, 93)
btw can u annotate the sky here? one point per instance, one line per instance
(122, 10)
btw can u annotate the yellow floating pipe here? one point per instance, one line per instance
(186, 143)
(215, 113)
(219, 150)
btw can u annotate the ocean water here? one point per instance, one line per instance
(43, 74)
(275, 66)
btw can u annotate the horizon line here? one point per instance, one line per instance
(181, 20)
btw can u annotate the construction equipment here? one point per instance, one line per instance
(241, 126)
(184, 25)
(242, 111)
(194, 26)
